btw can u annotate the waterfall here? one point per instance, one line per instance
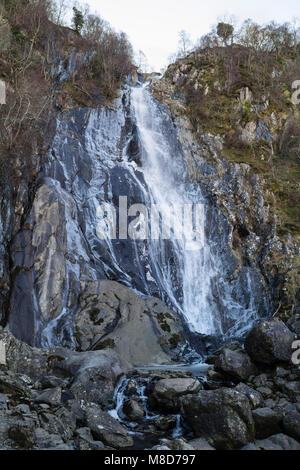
(165, 173)
(103, 158)
(189, 270)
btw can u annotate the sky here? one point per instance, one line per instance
(153, 25)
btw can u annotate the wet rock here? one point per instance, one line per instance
(281, 372)
(277, 442)
(222, 416)
(270, 342)
(134, 410)
(167, 392)
(160, 447)
(266, 392)
(51, 396)
(267, 422)
(165, 423)
(106, 428)
(3, 401)
(235, 363)
(254, 397)
(291, 424)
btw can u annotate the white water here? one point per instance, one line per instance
(187, 273)
(194, 282)
(165, 175)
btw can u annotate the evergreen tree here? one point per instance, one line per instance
(78, 20)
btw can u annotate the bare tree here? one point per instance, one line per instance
(142, 62)
(184, 44)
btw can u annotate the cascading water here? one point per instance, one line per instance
(98, 158)
(166, 176)
(198, 290)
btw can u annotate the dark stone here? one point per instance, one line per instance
(133, 410)
(277, 442)
(167, 392)
(84, 440)
(107, 429)
(291, 424)
(235, 363)
(253, 396)
(270, 342)
(267, 422)
(294, 324)
(51, 396)
(223, 416)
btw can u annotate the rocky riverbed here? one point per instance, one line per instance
(248, 399)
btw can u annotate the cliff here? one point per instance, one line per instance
(239, 129)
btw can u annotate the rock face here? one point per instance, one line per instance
(222, 416)
(237, 190)
(60, 254)
(270, 342)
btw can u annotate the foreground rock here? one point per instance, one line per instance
(107, 429)
(221, 416)
(291, 424)
(234, 361)
(277, 442)
(270, 342)
(267, 422)
(167, 392)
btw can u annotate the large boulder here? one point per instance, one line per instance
(106, 428)
(167, 392)
(142, 331)
(235, 362)
(222, 416)
(270, 342)
(94, 374)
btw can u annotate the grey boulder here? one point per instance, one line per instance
(270, 342)
(222, 416)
